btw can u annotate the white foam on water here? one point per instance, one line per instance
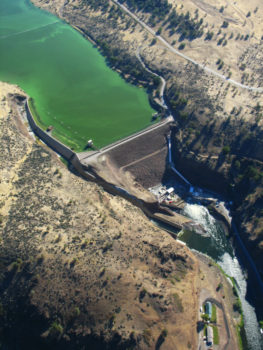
(232, 267)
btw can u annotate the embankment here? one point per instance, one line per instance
(150, 207)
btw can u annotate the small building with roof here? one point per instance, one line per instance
(209, 338)
(208, 308)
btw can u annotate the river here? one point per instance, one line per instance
(73, 88)
(216, 245)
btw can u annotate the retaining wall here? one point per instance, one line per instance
(54, 144)
(58, 147)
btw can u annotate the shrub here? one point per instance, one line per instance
(178, 303)
(56, 329)
(143, 292)
(209, 35)
(147, 334)
(164, 333)
(226, 149)
(237, 307)
(181, 46)
(159, 31)
(219, 286)
(76, 312)
(220, 41)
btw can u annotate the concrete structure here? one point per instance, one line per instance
(170, 190)
(57, 146)
(208, 308)
(151, 209)
(209, 338)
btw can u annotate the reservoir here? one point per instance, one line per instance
(72, 87)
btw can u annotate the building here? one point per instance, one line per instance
(208, 308)
(170, 190)
(209, 338)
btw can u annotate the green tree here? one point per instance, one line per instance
(226, 149)
(159, 31)
(181, 46)
(56, 329)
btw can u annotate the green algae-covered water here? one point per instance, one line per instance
(72, 87)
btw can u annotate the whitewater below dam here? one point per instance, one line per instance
(216, 245)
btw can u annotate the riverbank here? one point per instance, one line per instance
(219, 290)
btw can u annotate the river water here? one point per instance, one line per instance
(73, 88)
(216, 245)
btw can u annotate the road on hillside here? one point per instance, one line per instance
(178, 53)
(163, 81)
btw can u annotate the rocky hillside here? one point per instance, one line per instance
(219, 125)
(80, 266)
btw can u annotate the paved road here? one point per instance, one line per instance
(178, 53)
(163, 81)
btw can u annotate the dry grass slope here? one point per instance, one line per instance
(80, 263)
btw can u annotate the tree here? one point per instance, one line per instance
(209, 35)
(219, 286)
(181, 46)
(56, 329)
(226, 149)
(159, 31)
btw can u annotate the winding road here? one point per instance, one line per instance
(178, 53)
(163, 81)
